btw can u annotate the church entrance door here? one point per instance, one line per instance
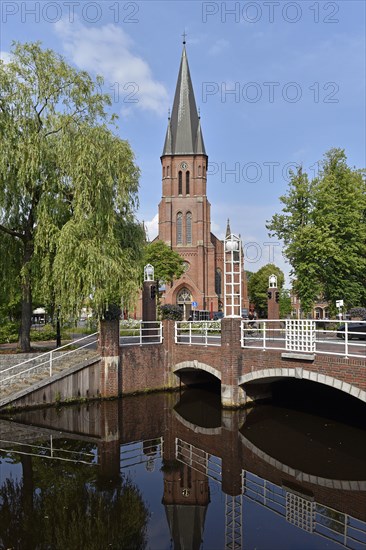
(184, 300)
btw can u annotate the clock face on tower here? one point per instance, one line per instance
(183, 165)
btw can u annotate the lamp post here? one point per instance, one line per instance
(148, 273)
(272, 281)
(150, 290)
(58, 328)
(273, 298)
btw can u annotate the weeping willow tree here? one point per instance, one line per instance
(68, 189)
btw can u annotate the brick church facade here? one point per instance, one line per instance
(184, 210)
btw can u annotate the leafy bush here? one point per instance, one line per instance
(171, 312)
(9, 333)
(90, 328)
(47, 332)
(200, 327)
(357, 312)
(112, 313)
(129, 327)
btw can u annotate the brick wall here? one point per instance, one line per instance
(351, 371)
(110, 372)
(149, 367)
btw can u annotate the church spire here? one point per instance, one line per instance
(228, 230)
(184, 134)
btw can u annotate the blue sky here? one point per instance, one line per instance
(278, 84)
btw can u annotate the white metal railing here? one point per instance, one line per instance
(204, 333)
(141, 452)
(48, 451)
(330, 337)
(140, 332)
(45, 362)
(304, 512)
(198, 459)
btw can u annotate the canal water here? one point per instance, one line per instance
(173, 470)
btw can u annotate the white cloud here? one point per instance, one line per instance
(5, 57)
(219, 46)
(152, 227)
(107, 50)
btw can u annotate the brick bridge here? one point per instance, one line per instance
(245, 374)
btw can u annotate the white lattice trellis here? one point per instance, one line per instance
(300, 335)
(233, 522)
(300, 512)
(232, 276)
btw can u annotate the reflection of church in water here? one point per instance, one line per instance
(184, 210)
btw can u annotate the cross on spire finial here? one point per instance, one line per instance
(184, 36)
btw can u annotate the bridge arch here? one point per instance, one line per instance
(343, 484)
(196, 365)
(300, 373)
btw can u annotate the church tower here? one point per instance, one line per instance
(184, 210)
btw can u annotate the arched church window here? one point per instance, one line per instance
(187, 182)
(163, 171)
(199, 169)
(167, 170)
(180, 186)
(179, 228)
(204, 170)
(184, 296)
(218, 282)
(189, 228)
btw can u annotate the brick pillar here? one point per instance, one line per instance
(109, 447)
(171, 380)
(232, 396)
(273, 306)
(110, 372)
(231, 453)
(149, 292)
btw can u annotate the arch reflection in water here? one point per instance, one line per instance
(193, 476)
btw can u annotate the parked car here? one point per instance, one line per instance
(355, 330)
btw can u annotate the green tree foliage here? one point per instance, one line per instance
(68, 190)
(59, 506)
(258, 286)
(167, 263)
(285, 303)
(171, 311)
(323, 228)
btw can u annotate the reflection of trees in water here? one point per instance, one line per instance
(58, 505)
(331, 518)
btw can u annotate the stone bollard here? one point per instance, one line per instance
(110, 373)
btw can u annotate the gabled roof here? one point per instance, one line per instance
(184, 134)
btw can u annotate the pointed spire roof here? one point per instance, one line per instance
(184, 134)
(168, 140)
(228, 230)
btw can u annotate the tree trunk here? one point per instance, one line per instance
(26, 318)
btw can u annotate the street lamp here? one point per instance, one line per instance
(148, 272)
(232, 245)
(272, 281)
(58, 328)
